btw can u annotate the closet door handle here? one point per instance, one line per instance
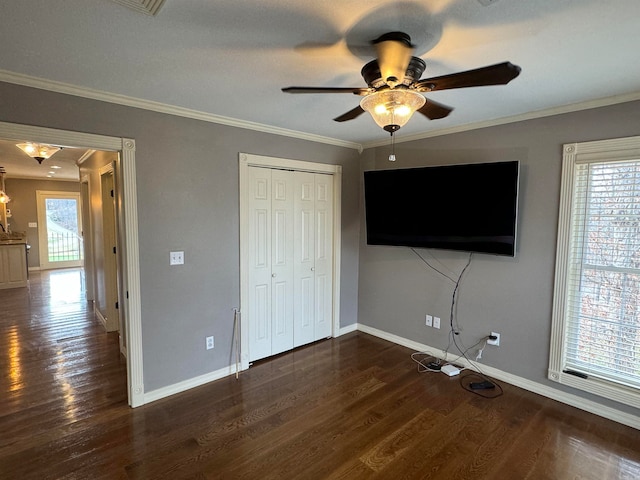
(313, 269)
(273, 275)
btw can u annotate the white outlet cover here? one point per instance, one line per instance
(176, 258)
(436, 322)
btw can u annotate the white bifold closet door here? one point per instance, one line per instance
(290, 258)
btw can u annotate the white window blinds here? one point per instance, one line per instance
(603, 308)
(595, 342)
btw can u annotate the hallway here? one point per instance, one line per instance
(58, 365)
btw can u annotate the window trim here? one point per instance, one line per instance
(573, 154)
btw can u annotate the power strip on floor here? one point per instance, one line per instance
(450, 370)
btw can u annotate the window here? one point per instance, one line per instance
(595, 342)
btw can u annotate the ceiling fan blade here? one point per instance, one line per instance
(499, 74)
(394, 52)
(354, 90)
(350, 115)
(434, 110)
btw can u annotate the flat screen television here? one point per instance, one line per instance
(470, 207)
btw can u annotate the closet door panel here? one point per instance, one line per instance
(304, 255)
(323, 256)
(291, 260)
(282, 260)
(259, 263)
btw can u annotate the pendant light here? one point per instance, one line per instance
(39, 151)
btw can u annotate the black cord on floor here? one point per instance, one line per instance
(469, 378)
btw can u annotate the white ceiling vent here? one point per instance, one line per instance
(150, 7)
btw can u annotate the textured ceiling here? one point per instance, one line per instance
(226, 61)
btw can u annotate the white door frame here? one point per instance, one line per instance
(247, 160)
(110, 252)
(87, 237)
(128, 230)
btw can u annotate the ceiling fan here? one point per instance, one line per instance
(395, 90)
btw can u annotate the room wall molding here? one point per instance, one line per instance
(76, 91)
(100, 317)
(348, 329)
(549, 112)
(535, 387)
(185, 385)
(538, 388)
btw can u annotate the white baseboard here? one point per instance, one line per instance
(100, 317)
(34, 269)
(185, 385)
(348, 329)
(179, 387)
(544, 390)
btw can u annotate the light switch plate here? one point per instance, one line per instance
(33, 224)
(176, 258)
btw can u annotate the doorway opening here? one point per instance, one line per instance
(129, 273)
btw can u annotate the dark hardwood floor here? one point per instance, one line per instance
(349, 408)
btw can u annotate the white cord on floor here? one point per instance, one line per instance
(423, 363)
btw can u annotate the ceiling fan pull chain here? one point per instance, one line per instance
(392, 157)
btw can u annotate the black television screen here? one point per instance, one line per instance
(471, 207)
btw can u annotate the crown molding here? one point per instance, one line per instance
(68, 89)
(148, 7)
(569, 108)
(77, 91)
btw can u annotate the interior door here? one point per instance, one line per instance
(109, 304)
(313, 278)
(290, 258)
(271, 262)
(259, 290)
(323, 261)
(304, 251)
(281, 261)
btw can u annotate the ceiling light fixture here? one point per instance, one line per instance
(4, 198)
(391, 109)
(38, 151)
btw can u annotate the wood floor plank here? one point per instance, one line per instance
(352, 407)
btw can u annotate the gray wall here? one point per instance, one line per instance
(187, 185)
(23, 208)
(512, 296)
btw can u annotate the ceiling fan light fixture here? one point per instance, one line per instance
(38, 151)
(392, 109)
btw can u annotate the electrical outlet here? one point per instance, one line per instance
(428, 320)
(436, 322)
(176, 258)
(495, 342)
(210, 343)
